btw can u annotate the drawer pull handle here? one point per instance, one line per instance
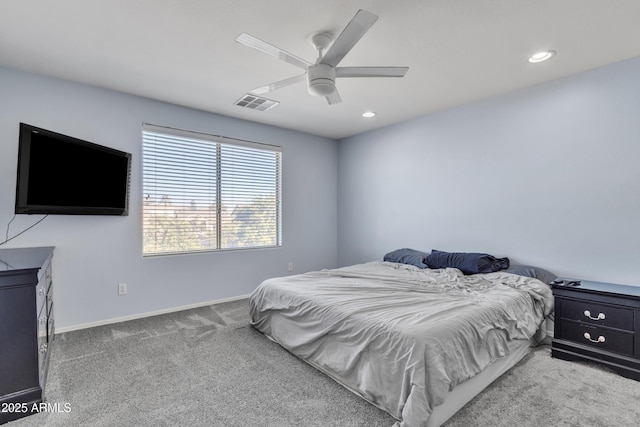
(588, 314)
(588, 336)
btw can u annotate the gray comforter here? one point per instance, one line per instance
(400, 336)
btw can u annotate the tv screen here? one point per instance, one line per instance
(59, 174)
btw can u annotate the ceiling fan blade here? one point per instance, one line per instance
(334, 98)
(371, 71)
(279, 84)
(351, 34)
(264, 47)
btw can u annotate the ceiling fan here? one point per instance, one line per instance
(321, 75)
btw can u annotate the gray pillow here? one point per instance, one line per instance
(407, 256)
(532, 271)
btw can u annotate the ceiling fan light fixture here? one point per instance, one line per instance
(322, 87)
(541, 56)
(321, 80)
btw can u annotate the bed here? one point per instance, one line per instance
(417, 342)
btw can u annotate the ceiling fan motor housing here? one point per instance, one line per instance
(321, 80)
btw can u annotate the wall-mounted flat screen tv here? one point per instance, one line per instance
(59, 174)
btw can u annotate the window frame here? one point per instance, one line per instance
(220, 141)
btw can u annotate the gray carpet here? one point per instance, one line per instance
(207, 367)
(541, 390)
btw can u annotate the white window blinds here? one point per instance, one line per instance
(203, 192)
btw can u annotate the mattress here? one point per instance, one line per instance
(400, 336)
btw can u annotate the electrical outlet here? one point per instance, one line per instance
(290, 266)
(122, 288)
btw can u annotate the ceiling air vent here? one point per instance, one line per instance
(256, 103)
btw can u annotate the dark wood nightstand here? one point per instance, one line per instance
(598, 322)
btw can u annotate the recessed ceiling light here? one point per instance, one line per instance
(368, 114)
(541, 56)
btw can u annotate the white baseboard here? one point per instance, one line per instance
(148, 314)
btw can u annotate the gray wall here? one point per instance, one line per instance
(549, 176)
(93, 254)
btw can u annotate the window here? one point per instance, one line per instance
(204, 193)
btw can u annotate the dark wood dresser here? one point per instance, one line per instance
(26, 329)
(598, 322)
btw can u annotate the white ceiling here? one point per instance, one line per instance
(184, 51)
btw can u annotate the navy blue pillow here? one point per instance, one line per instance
(468, 263)
(532, 271)
(407, 256)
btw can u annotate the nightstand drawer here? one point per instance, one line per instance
(597, 314)
(602, 338)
